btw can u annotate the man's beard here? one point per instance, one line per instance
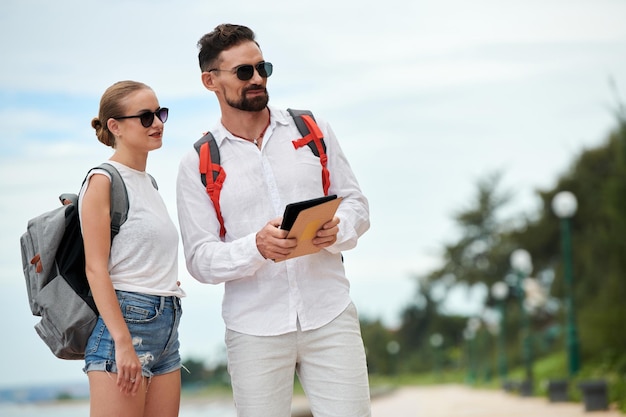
(256, 103)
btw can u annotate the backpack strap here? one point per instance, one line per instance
(211, 173)
(119, 198)
(313, 137)
(154, 183)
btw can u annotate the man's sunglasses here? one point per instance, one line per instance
(246, 71)
(147, 118)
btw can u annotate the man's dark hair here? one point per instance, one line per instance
(223, 37)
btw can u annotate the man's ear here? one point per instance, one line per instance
(207, 80)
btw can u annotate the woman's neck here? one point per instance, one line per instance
(135, 161)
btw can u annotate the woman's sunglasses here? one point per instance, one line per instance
(246, 71)
(147, 118)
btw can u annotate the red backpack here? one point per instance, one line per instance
(210, 158)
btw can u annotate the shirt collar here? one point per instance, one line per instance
(276, 116)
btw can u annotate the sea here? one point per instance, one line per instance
(81, 409)
(40, 401)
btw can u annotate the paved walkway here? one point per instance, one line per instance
(429, 401)
(464, 401)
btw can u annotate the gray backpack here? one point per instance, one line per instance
(53, 260)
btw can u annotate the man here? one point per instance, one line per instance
(281, 315)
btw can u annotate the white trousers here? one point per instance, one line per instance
(330, 363)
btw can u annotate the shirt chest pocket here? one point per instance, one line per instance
(304, 168)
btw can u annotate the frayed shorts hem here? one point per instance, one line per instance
(111, 367)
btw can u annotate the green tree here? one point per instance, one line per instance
(598, 179)
(378, 340)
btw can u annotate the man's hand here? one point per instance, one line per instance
(271, 242)
(327, 235)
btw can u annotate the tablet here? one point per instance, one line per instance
(293, 209)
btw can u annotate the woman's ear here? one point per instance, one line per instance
(113, 126)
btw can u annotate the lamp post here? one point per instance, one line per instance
(499, 291)
(436, 340)
(393, 348)
(469, 334)
(523, 266)
(564, 205)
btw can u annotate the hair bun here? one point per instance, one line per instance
(96, 124)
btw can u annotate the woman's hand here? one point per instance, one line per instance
(129, 376)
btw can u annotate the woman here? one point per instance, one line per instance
(132, 357)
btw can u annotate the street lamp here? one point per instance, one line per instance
(469, 334)
(522, 264)
(564, 205)
(499, 291)
(436, 340)
(393, 348)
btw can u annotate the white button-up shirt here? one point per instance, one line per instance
(263, 297)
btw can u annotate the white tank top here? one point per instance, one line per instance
(144, 254)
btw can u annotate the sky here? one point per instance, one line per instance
(426, 97)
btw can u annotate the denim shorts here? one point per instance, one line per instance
(153, 324)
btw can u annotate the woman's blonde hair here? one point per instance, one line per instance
(111, 105)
